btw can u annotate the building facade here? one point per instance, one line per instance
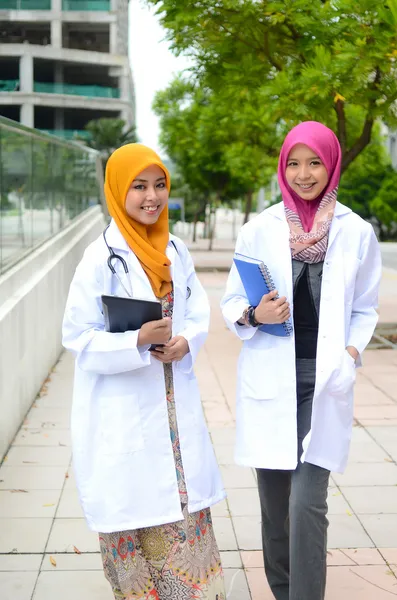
(64, 63)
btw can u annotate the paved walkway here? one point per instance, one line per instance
(47, 552)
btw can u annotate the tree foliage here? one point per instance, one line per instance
(106, 135)
(292, 60)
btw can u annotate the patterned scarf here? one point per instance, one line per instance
(310, 220)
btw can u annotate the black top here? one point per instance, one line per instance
(305, 315)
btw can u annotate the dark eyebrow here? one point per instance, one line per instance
(311, 158)
(146, 181)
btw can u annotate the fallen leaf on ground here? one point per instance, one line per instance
(53, 561)
(46, 505)
(19, 491)
(30, 462)
(76, 550)
(66, 475)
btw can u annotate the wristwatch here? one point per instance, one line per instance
(249, 317)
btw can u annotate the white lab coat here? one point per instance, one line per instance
(266, 391)
(122, 451)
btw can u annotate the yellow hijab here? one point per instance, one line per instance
(148, 242)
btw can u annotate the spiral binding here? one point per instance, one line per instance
(270, 284)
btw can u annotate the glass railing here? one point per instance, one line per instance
(25, 4)
(45, 182)
(94, 91)
(69, 134)
(86, 5)
(9, 85)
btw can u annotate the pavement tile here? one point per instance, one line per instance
(252, 559)
(372, 500)
(365, 556)
(389, 554)
(16, 585)
(67, 533)
(20, 562)
(378, 422)
(220, 510)
(236, 585)
(47, 418)
(381, 528)
(360, 434)
(19, 455)
(69, 506)
(231, 560)
(338, 558)
(360, 583)
(31, 478)
(24, 535)
(337, 504)
(366, 452)
(347, 532)
(370, 396)
(223, 436)
(234, 476)
(224, 533)
(367, 474)
(29, 503)
(43, 437)
(248, 532)
(376, 412)
(258, 585)
(89, 561)
(76, 585)
(225, 455)
(244, 502)
(385, 434)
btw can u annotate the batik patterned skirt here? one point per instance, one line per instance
(177, 561)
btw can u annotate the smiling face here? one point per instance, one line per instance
(306, 173)
(147, 196)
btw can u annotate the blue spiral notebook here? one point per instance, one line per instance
(257, 281)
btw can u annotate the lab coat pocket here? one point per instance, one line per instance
(120, 423)
(344, 376)
(258, 374)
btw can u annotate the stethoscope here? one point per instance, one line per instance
(113, 256)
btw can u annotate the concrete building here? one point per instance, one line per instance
(64, 62)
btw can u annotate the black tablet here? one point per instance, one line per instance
(129, 314)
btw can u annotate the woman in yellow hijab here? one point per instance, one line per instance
(145, 467)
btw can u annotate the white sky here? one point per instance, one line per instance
(153, 66)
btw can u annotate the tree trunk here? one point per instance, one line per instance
(195, 226)
(248, 206)
(212, 227)
(207, 219)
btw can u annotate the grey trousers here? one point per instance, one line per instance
(294, 509)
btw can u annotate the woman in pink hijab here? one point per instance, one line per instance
(295, 392)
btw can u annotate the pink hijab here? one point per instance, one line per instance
(310, 220)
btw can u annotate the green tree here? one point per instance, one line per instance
(363, 179)
(188, 136)
(222, 154)
(333, 61)
(106, 135)
(384, 206)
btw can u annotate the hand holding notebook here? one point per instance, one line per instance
(272, 309)
(257, 282)
(130, 314)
